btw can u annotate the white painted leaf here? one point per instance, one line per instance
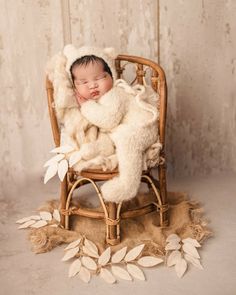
(91, 246)
(45, 215)
(192, 242)
(173, 258)
(56, 215)
(62, 169)
(149, 261)
(89, 252)
(84, 274)
(70, 253)
(173, 245)
(74, 158)
(172, 238)
(39, 224)
(195, 261)
(135, 271)
(23, 220)
(51, 171)
(32, 217)
(105, 257)
(89, 263)
(134, 253)
(191, 250)
(74, 268)
(181, 267)
(26, 224)
(35, 217)
(54, 159)
(73, 244)
(121, 273)
(119, 255)
(62, 149)
(107, 276)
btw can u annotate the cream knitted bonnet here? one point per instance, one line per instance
(107, 54)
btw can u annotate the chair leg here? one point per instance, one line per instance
(113, 237)
(63, 199)
(163, 193)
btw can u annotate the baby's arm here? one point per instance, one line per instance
(107, 112)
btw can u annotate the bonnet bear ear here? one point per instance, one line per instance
(110, 52)
(69, 50)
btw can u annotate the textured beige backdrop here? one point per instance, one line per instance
(194, 40)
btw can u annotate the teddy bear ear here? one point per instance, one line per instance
(110, 51)
(69, 50)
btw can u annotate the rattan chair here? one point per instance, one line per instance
(112, 212)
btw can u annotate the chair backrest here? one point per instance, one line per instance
(143, 67)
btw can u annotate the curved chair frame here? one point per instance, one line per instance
(112, 212)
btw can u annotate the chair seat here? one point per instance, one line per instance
(98, 174)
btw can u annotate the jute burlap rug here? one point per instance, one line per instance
(185, 219)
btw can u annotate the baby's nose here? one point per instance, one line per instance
(93, 84)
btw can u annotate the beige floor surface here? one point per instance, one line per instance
(23, 272)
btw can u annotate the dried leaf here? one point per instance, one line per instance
(135, 271)
(89, 252)
(84, 274)
(134, 253)
(70, 253)
(89, 263)
(119, 255)
(74, 158)
(45, 215)
(39, 224)
(32, 217)
(191, 250)
(73, 244)
(173, 245)
(192, 242)
(26, 224)
(105, 257)
(35, 217)
(74, 268)
(62, 169)
(56, 215)
(62, 149)
(51, 171)
(149, 261)
(91, 246)
(107, 276)
(23, 220)
(121, 273)
(173, 258)
(181, 267)
(193, 260)
(54, 159)
(172, 238)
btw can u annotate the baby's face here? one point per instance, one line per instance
(91, 81)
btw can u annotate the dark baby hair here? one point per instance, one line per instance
(85, 60)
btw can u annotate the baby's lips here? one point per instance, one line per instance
(95, 93)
